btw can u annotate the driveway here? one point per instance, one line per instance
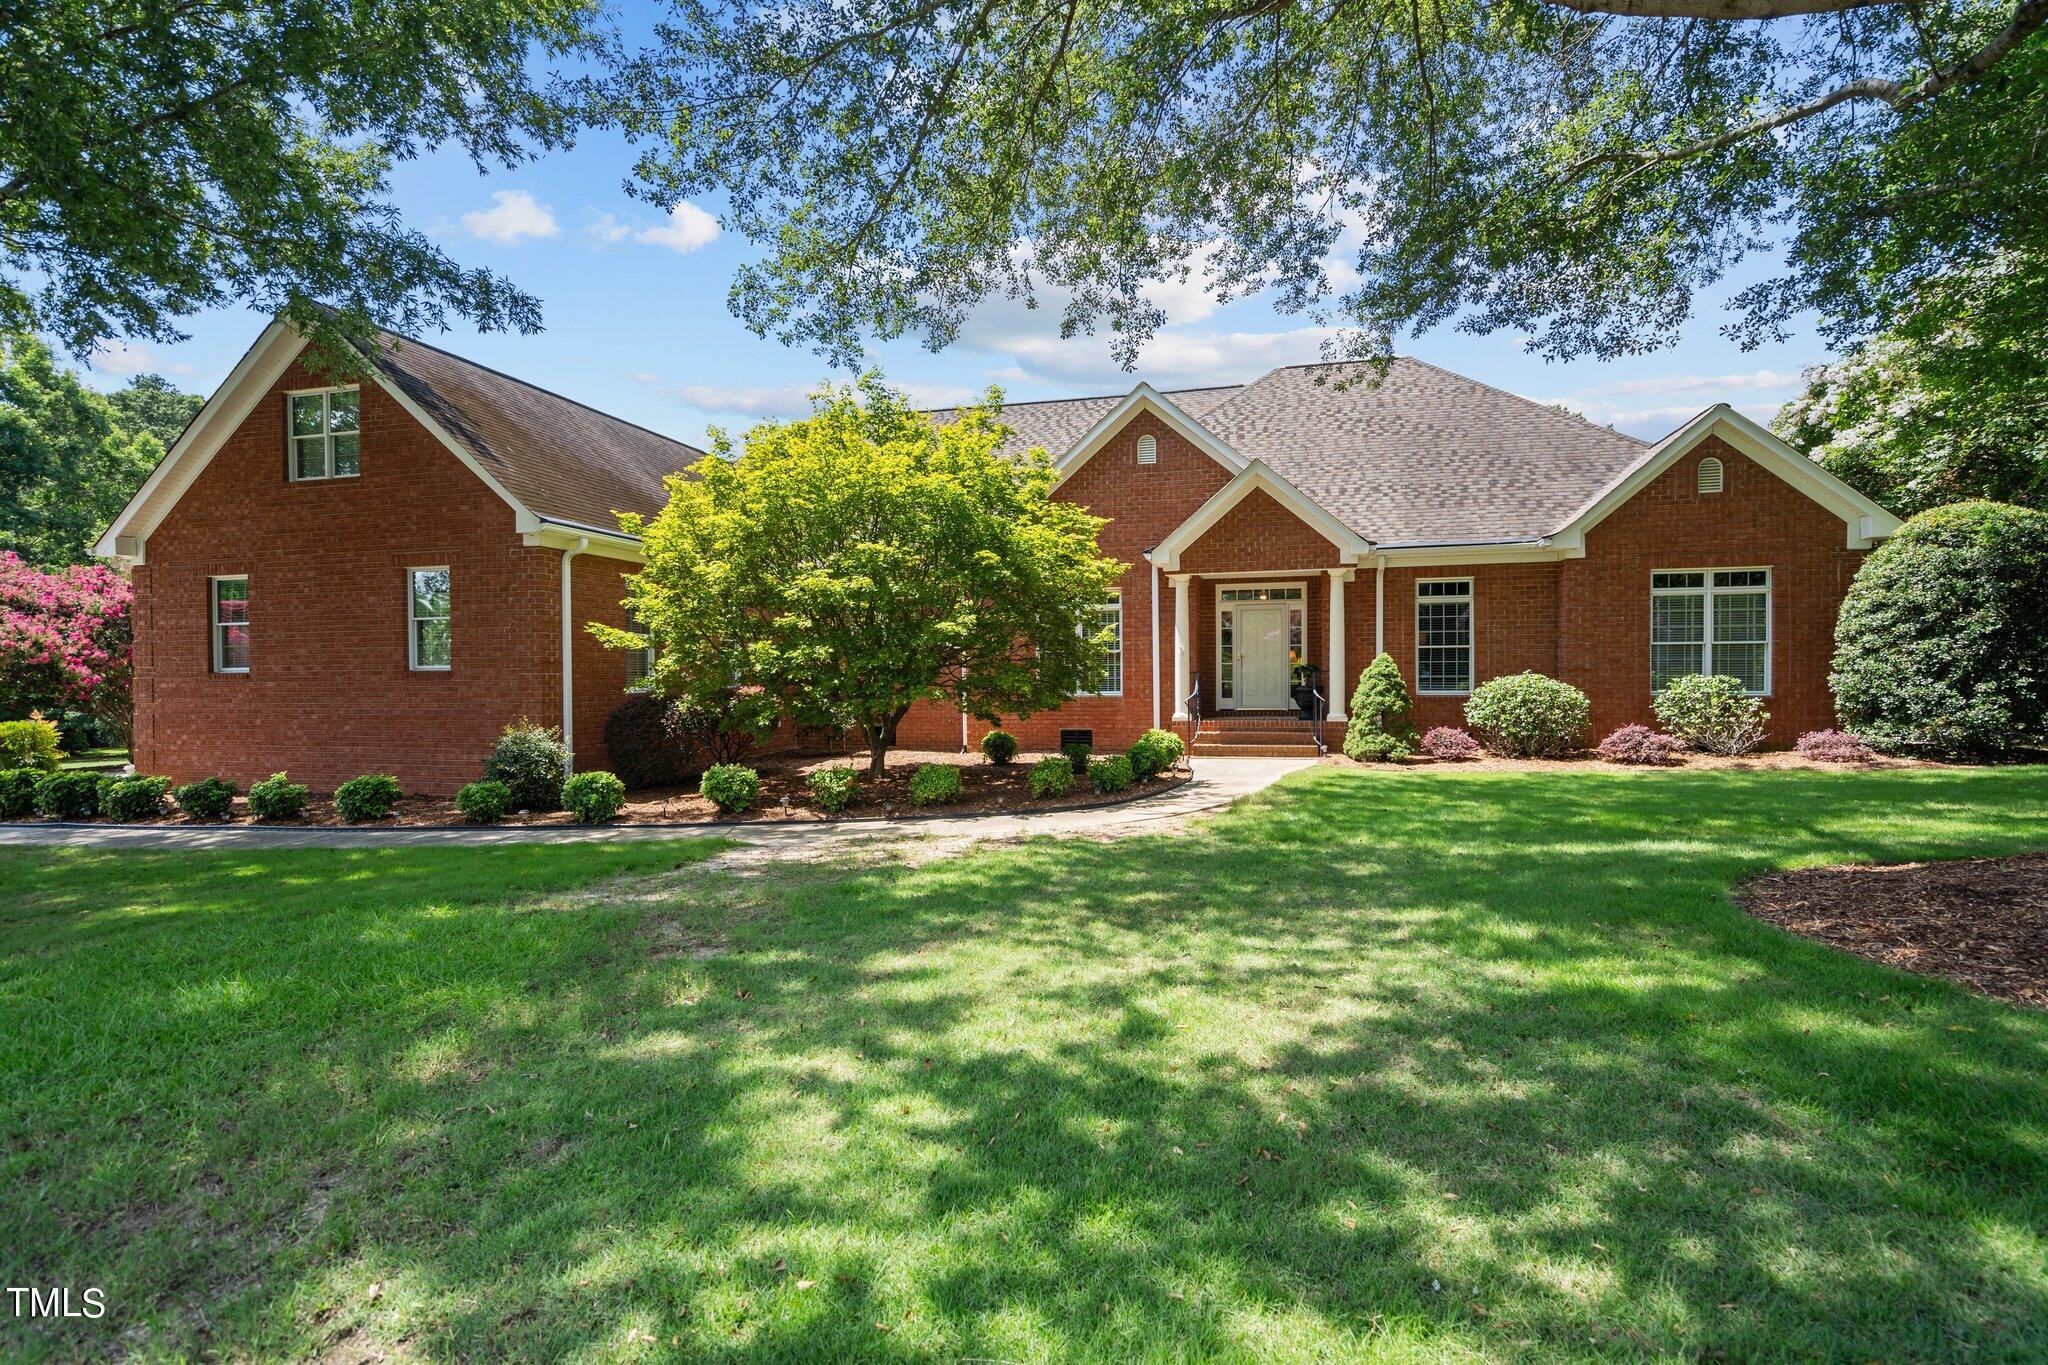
(1216, 783)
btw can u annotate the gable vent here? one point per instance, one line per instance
(1148, 450)
(1710, 475)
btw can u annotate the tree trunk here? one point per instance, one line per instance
(878, 738)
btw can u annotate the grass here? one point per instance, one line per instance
(1381, 1065)
(95, 759)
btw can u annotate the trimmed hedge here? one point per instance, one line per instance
(934, 784)
(732, 787)
(210, 798)
(593, 797)
(1526, 715)
(1109, 775)
(277, 797)
(369, 797)
(999, 747)
(1052, 777)
(533, 762)
(29, 744)
(133, 798)
(485, 802)
(833, 788)
(18, 791)
(69, 796)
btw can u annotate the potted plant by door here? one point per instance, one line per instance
(1303, 689)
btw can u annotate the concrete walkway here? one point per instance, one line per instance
(1216, 783)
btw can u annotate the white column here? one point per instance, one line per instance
(1379, 610)
(1152, 600)
(1338, 685)
(1183, 660)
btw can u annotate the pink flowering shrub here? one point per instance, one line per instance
(1641, 744)
(1448, 741)
(1833, 746)
(65, 639)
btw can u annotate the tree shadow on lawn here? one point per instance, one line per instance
(1409, 1064)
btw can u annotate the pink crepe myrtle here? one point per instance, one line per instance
(65, 639)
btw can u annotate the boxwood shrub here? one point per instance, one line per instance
(1713, 714)
(210, 798)
(593, 797)
(369, 797)
(532, 761)
(1111, 774)
(1052, 777)
(69, 796)
(485, 802)
(934, 784)
(277, 797)
(1526, 715)
(18, 791)
(999, 746)
(29, 744)
(1154, 752)
(732, 787)
(133, 798)
(833, 788)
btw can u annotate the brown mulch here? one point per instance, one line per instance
(1980, 922)
(987, 789)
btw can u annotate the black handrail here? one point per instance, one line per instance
(1193, 702)
(1319, 711)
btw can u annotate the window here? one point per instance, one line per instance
(639, 662)
(1443, 637)
(1713, 621)
(1710, 475)
(325, 438)
(230, 629)
(428, 609)
(1148, 450)
(1108, 616)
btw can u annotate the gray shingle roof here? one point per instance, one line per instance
(565, 461)
(1057, 423)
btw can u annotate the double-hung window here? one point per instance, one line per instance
(229, 610)
(1443, 637)
(325, 434)
(429, 605)
(1107, 616)
(639, 662)
(1711, 621)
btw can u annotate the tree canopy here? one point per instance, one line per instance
(153, 404)
(159, 158)
(865, 558)
(1578, 169)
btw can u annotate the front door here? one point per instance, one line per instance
(1262, 672)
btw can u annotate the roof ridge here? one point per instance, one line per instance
(1089, 397)
(1529, 402)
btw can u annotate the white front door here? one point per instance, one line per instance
(1262, 672)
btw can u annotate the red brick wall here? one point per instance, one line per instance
(1514, 617)
(597, 592)
(329, 695)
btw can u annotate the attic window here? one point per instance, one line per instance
(1710, 475)
(324, 434)
(1148, 450)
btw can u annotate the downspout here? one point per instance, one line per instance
(569, 654)
(1379, 608)
(1155, 635)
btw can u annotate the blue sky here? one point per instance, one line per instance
(636, 322)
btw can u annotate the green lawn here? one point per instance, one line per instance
(95, 759)
(1381, 1065)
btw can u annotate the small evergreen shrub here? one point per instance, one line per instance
(833, 788)
(369, 797)
(1154, 752)
(277, 797)
(532, 761)
(1379, 727)
(1526, 715)
(1450, 743)
(1834, 746)
(1051, 777)
(18, 791)
(645, 738)
(999, 747)
(1111, 774)
(1640, 744)
(29, 744)
(593, 797)
(1711, 714)
(210, 798)
(133, 798)
(485, 802)
(69, 796)
(935, 784)
(732, 787)
(1077, 757)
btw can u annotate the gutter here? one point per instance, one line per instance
(569, 653)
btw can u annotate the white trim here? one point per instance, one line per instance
(1118, 601)
(1145, 398)
(412, 621)
(1155, 646)
(1708, 591)
(1865, 520)
(569, 653)
(213, 621)
(326, 434)
(562, 535)
(1379, 608)
(1260, 477)
(1219, 606)
(1336, 693)
(1471, 601)
(1457, 556)
(1183, 663)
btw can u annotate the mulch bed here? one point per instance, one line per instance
(1981, 922)
(987, 789)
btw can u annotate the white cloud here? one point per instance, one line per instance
(687, 229)
(787, 400)
(606, 229)
(1175, 357)
(124, 357)
(1653, 423)
(515, 215)
(1672, 385)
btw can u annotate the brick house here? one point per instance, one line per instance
(379, 576)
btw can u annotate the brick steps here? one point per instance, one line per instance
(1254, 736)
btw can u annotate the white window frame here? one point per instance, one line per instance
(1216, 627)
(214, 625)
(292, 439)
(1470, 599)
(1097, 612)
(413, 619)
(645, 682)
(1708, 591)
